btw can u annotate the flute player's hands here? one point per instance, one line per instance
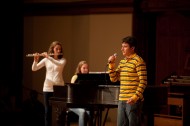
(45, 54)
(36, 57)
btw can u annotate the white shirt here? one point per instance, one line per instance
(54, 72)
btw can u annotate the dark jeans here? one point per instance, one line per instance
(48, 108)
(129, 115)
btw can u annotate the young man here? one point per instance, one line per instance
(132, 74)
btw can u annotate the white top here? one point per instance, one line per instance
(54, 72)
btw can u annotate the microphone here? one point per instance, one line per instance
(115, 55)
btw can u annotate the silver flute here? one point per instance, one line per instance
(51, 54)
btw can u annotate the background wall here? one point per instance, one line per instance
(87, 37)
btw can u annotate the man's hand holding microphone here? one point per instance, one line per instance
(112, 58)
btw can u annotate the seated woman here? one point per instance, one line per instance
(83, 114)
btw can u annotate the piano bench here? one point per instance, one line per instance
(71, 117)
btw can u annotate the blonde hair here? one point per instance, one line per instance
(78, 69)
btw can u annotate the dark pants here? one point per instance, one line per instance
(48, 108)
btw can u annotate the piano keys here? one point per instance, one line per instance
(177, 84)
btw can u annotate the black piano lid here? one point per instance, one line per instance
(97, 78)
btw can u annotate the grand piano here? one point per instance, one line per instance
(95, 90)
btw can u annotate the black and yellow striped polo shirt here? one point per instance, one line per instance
(132, 75)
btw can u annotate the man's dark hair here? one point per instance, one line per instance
(132, 41)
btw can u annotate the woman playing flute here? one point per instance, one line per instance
(54, 65)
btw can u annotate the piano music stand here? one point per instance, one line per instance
(96, 79)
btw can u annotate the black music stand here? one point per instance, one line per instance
(95, 78)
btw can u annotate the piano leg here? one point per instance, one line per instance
(106, 116)
(61, 115)
(98, 117)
